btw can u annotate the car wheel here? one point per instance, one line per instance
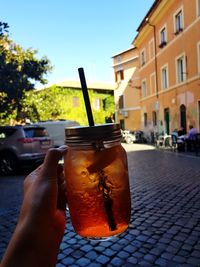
(8, 164)
(129, 140)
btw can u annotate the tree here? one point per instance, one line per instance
(3, 28)
(20, 70)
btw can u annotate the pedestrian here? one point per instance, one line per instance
(190, 138)
(40, 228)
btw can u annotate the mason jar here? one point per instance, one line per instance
(97, 182)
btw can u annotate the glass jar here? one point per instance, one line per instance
(97, 181)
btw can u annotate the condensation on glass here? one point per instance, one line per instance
(97, 181)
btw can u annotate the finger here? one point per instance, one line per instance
(50, 165)
(30, 178)
(63, 147)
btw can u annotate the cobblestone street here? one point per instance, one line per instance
(165, 221)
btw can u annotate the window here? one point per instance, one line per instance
(142, 58)
(164, 77)
(144, 88)
(181, 69)
(198, 7)
(96, 104)
(115, 76)
(121, 101)
(178, 23)
(154, 117)
(145, 119)
(119, 59)
(119, 75)
(75, 100)
(163, 37)
(35, 132)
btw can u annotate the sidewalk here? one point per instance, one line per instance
(165, 222)
(180, 153)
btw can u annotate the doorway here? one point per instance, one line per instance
(199, 115)
(167, 120)
(183, 117)
(122, 124)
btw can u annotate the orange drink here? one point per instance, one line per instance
(97, 182)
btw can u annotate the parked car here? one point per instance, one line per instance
(131, 137)
(128, 137)
(140, 138)
(56, 129)
(22, 145)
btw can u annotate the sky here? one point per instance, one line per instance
(75, 33)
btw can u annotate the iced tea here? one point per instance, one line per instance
(98, 190)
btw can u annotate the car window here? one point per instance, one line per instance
(35, 132)
(4, 133)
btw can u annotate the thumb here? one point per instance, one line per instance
(50, 165)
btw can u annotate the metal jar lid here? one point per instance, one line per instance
(103, 132)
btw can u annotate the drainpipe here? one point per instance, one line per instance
(156, 69)
(155, 52)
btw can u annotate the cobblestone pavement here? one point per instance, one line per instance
(165, 221)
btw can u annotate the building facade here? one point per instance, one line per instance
(127, 92)
(168, 49)
(64, 101)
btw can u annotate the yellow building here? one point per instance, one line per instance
(127, 92)
(168, 49)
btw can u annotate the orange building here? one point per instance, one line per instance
(168, 49)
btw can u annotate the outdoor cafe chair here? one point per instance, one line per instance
(197, 143)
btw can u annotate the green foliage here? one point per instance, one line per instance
(3, 28)
(58, 103)
(20, 69)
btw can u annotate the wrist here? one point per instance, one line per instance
(37, 245)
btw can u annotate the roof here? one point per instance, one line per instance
(149, 13)
(129, 49)
(146, 18)
(90, 85)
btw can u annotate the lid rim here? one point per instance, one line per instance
(93, 133)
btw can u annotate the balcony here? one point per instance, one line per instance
(162, 44)
(178, 31)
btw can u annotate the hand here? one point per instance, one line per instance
(42, 219)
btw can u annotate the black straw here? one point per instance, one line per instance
(86, 97)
